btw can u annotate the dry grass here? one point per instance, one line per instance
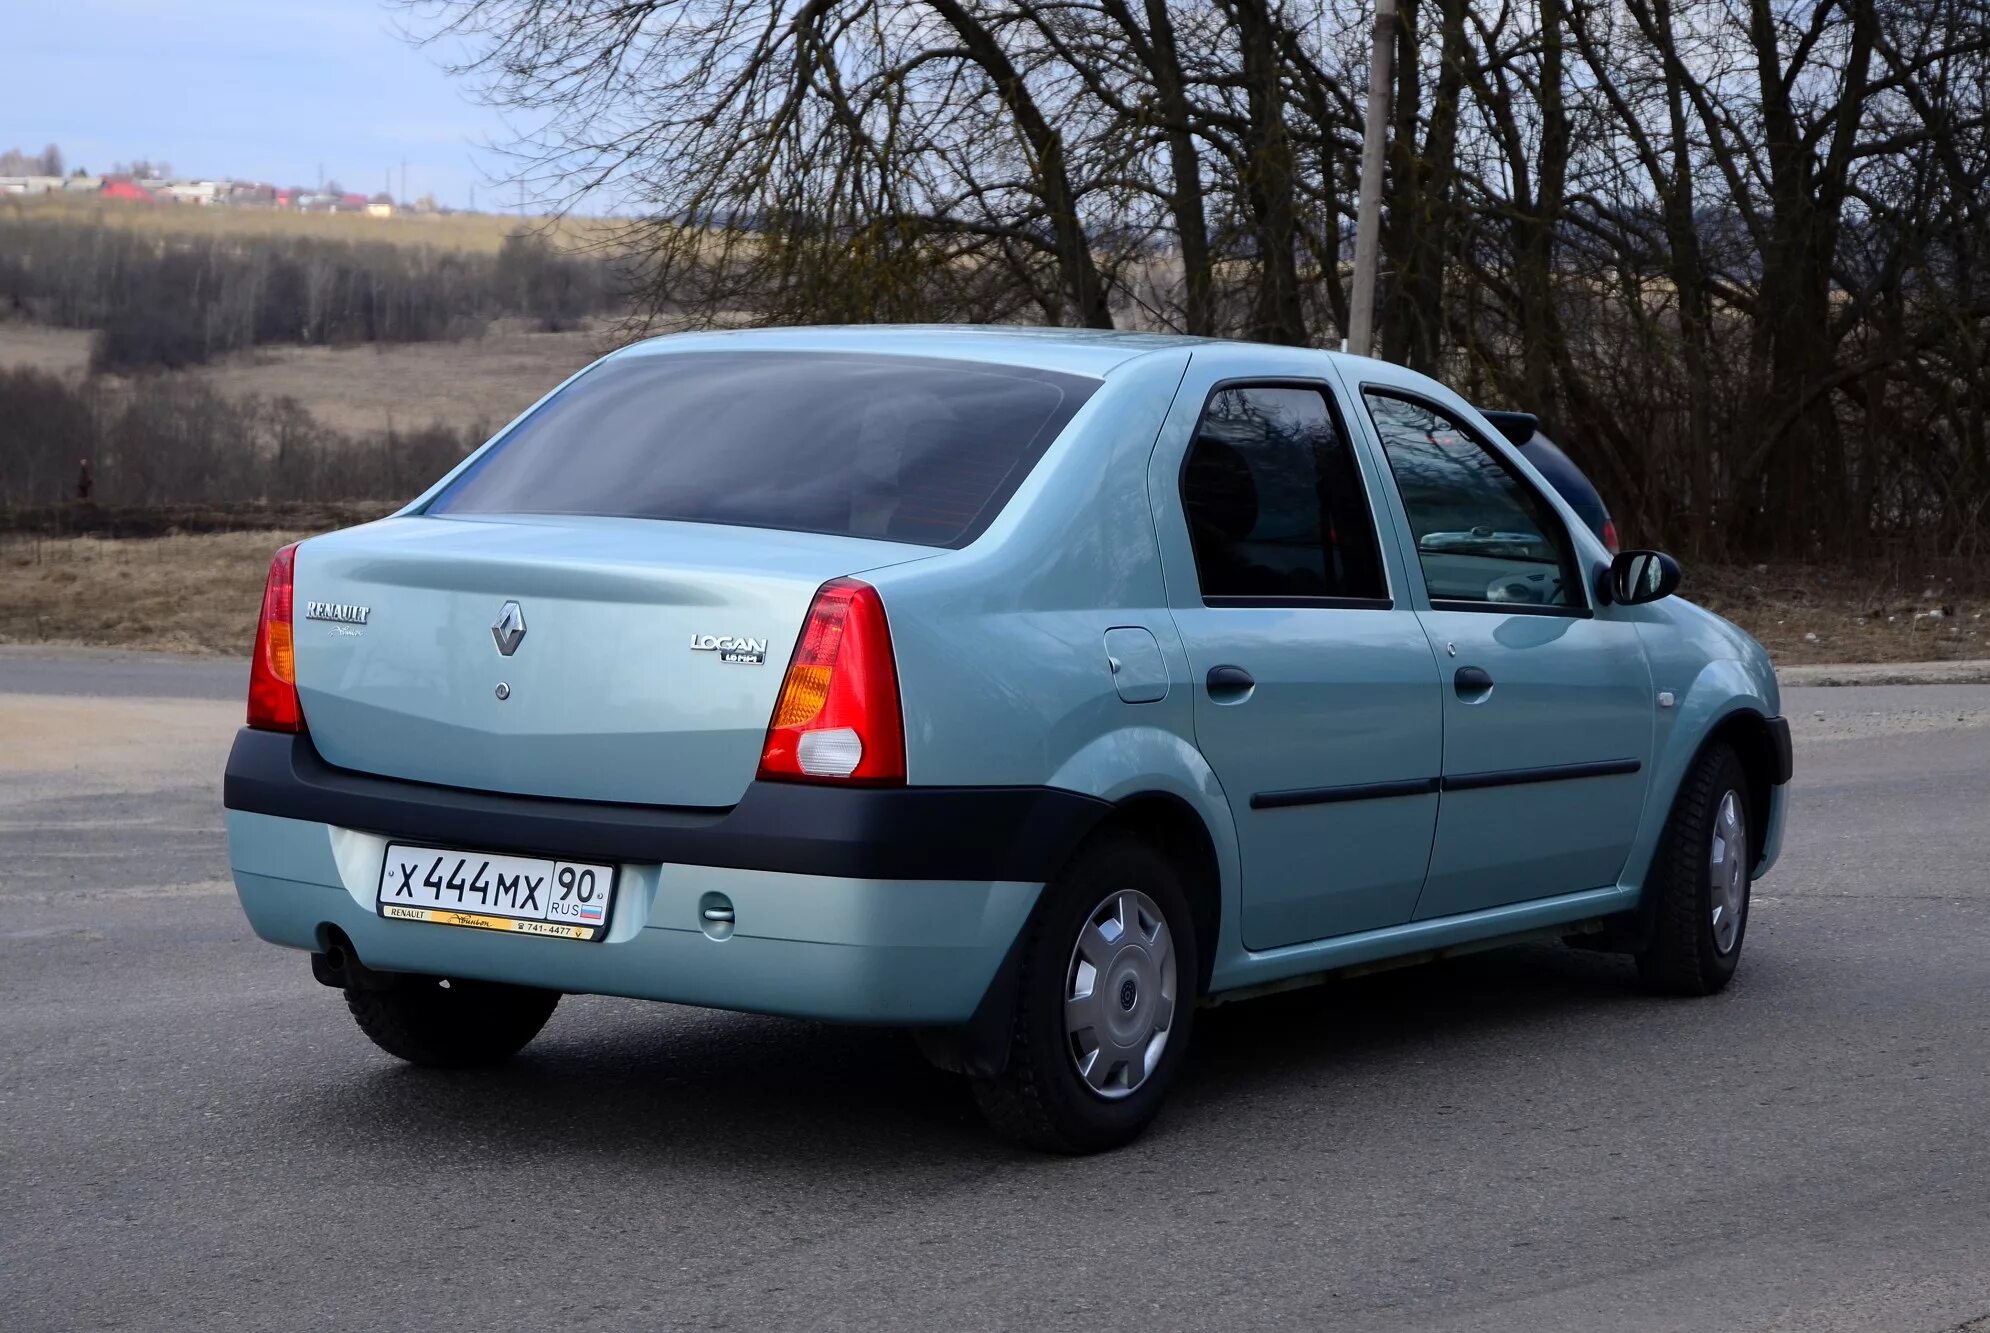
(474, 232)
(199, 593)
(1918, 612)
(183, 594)
(45, 348)
(372, 387)
(410, 385)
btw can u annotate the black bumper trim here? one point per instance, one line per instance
(972, 833)
(1779, 750)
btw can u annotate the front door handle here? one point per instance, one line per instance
(1229, 684)
(1472, 681)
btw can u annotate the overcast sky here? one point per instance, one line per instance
(255, 89)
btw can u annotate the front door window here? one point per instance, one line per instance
(1484, 537)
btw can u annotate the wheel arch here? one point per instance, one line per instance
(1744, 727)
(1177, 829)
(1715, 700)
(1749, 734)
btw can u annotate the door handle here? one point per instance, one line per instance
(1229, 684)
(1472, 680)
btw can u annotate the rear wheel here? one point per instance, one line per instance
(1700, 880)
(446, 1023)
(1105, 1000)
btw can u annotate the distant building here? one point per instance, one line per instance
(30, 184)
(203, 193)
(124, 187)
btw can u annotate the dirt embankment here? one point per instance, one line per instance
(185, 593)
(1909, 611)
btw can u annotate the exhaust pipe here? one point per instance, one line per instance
(338, 966)
(330, 966)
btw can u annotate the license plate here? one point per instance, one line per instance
(526, 895)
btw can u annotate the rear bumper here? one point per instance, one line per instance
(863, 938)
(841, 949)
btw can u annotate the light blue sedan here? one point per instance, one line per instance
(1023, 688)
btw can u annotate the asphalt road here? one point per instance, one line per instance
(192, 1134)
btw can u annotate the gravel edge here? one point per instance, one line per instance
(1976, 672)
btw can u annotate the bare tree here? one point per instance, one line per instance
(1733, 250)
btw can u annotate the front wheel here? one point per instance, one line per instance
(446, 1023)
(1700, 879)
(1106, 997)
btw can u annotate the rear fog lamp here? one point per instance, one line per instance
(830, 754)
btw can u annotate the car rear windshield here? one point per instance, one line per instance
(906, 449)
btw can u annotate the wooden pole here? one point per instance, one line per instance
(1368, 216)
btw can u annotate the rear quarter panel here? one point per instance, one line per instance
(1001, 645)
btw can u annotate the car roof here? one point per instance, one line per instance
(1093, 352)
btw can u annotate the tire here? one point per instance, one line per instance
(1126, 900)
(450, 1024)
(1698, 891)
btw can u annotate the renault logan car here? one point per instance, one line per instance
(1021, 688)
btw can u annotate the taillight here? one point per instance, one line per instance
(273, 702)
(837, 718)
(1610, 536)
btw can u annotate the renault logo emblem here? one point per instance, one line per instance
(509, 631)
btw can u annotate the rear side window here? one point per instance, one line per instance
(1274, 503)
(900, 448)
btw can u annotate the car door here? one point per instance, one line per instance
(1547, 699)
(1316, 696)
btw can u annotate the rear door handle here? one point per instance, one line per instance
(1228, 684)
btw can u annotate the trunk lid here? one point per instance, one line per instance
(607, 698)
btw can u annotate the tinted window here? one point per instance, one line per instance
(907, 449)
(1274, 501)
(1482, 534)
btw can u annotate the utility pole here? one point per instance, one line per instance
(1368, 215)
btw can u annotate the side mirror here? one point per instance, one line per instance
(1642, 576)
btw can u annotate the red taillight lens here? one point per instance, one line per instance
(273, 702)
(1610, 536)
(837, 718)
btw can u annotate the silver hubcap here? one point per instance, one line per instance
(1728, 871)
(1119, 996)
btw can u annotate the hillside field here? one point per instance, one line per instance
(476, 233)
(371, 387)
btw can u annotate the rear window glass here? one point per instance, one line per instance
(900, 448)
